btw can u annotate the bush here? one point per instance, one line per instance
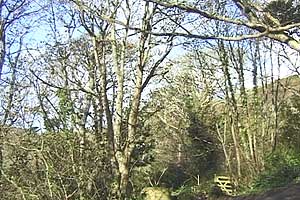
(174, 177)
(190, 193)
(282, 168)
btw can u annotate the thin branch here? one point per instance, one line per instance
(206, 14)
(211, 37)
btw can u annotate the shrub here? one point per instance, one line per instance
(283, 167)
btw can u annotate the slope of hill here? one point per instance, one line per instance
(289, 192)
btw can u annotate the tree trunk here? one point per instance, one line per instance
(233, 110)
(2, 44)
(100, 55)
(222, 139)
(236, 147)
(124, 158)
(1, 152)
(123, 170)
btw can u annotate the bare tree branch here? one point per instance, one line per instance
(253, 21)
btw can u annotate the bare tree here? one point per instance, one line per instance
(13, 30)
(133, 71)
(277, 20)
(12, 14)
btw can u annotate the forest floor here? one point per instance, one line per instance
(290, 192)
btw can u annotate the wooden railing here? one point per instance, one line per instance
(225, 184)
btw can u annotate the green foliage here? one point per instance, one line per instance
(289, 134)
(205, 155)
(286, 11)
(283, 167)
(191, 191)
(142, 154)
(174, 177)
(49, 166)
(177, 134)
(185, 192)
(65, 104)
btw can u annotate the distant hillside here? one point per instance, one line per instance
(291, 85)
(286, 88)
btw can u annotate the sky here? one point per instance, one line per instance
(40, 33)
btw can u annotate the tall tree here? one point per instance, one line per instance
(277, 20)
(115, 72)
(13, 32)
(12, 16)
